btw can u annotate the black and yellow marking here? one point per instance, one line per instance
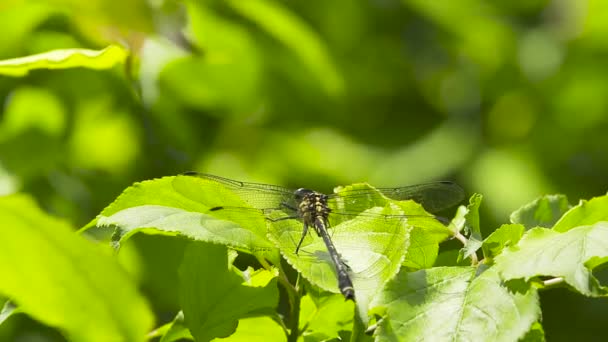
(313, 209)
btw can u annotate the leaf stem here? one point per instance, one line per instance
(294, 325)
(553, 281)
(461, 238)
(282, 277)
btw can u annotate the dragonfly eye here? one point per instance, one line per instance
(301, 193)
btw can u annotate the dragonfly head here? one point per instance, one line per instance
(301, 193)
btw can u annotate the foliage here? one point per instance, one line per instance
(494, 299)
(504, 97)
(68, 279)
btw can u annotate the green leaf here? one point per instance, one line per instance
(325, 319)
(294, 33)
(505, 236)
(201, 227)
(425, 235)
(372, 246)
(452, 303)
(571, 255)
(19, 19)
(65, 59)
(158, 192)
(584, 213)
(472, 226)
(212, 308)
(459, 220)
(249, 329)
(472, 216)
(424, 246)
(257, 329)
(542, 212)
(78, 287)
(169, 212)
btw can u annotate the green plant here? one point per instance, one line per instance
(493, 296)
(288, 92)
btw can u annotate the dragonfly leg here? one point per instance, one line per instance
(304, 231)
(288, 206)
(281, 218)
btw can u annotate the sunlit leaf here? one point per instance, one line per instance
(170, 213)
(424, 238)
(64, 59)
(257, 329)
(472, 227)
(505, 236)
(424, 246)
(584, 213)
(73, 279)
(571, 255)
(373, 247)
(453, 304)
(323, 320)
(18, 21)
(542, 212)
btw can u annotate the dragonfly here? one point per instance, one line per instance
(317, 210)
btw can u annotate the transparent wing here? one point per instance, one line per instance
(255, 195)
(434, 197)
(277, 205)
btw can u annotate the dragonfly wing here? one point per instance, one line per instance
(434, 197)
(255, 195)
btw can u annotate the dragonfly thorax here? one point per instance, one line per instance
(311, 204)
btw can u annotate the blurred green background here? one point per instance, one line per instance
(507, 98)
